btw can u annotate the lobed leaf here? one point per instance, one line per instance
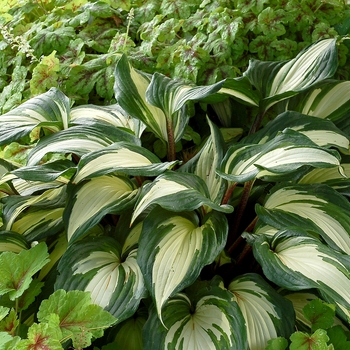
(17, 270)
(77, 316)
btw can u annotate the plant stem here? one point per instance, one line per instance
(171, 141)
(228, 193)
(239, 239)
(257, 122)
(239, 213)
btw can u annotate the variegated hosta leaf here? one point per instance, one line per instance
(124, 157)
(27, 188)
(158, 102)
(113, 114)
(277, 81)
(89, 201)
(130, 91)
(38, 224)
(296, 261)
(330, 177)
(47, 172)
(205, 162)
(176, 192)
(14, 205)
(12, 242)
(209, 320)
(328, 99)
(97, 265)
(315, 207)
(173, 249)
(267, 314)
(321, 131)
(49, 110)
(285, 153)
(170, 96)
(240, 89)
(79, 140)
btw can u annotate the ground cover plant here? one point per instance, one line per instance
(217, 244)
(72, 44)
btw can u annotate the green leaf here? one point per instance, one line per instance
(52, 38)
(49, 199)
(5, 339)
(294, 260)
(205, 162)
(46, 172)
(173, 249)
(321, 131)
(49, 110)
(98, 265)
(80, 139)
(286, 152)
(123, 157)
(279, 343)
(130, 92)
(304, 341)
(170, 96)
(277, 81)
(328, 99)
(45, 74)
(12, 242)
(209, 320)
(267, 314)
(17, 270)
(157, 102)
(177, 192)
(338, 338)
(42, 336)
(314, 207)
(320, 314)
(3, 312)
(240, 89)
(90, 201)
(112, 114)
(10, 323)
(128, 334)
(78, 317)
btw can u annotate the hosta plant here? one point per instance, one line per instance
(215, 246)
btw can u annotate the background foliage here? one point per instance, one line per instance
(74, 44)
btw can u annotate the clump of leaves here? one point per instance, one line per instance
(324, 333)
(197, 254)
(74, 45)
(62, 317)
